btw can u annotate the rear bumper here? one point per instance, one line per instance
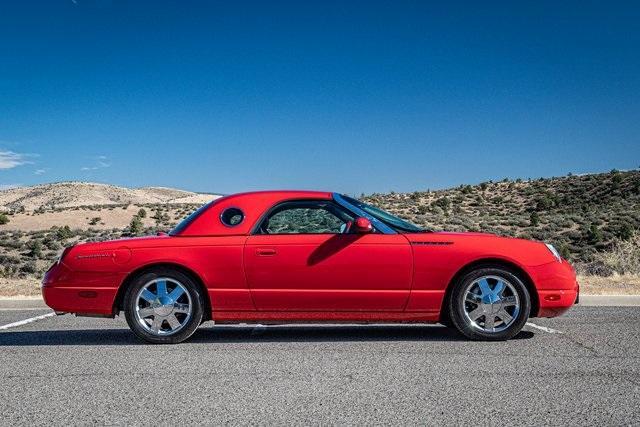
(97, 301)
(80, 292)
(558, 289)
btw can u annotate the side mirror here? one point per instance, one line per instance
(362, 226)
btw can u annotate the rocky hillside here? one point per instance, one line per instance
(76, 194)
(579, 214)
(594, 220)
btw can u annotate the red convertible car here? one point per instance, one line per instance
(302, 256)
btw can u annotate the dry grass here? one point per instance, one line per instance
(10, 287)
(77, 219)
(617, 284)
(624, 256)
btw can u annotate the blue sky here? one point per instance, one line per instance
(346, 96)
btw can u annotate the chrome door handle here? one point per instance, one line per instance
(265, 252)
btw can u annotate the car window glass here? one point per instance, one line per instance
(232, 217)
(306, 220)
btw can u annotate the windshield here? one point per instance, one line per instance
(391, 220)
(188, 220)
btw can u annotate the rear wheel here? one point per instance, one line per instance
(489, 303)
(164, 306)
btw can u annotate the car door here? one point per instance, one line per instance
(302, 257)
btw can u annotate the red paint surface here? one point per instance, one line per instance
(347, 277)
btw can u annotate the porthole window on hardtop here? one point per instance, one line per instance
(231, 217)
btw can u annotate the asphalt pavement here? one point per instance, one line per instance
(579, 369)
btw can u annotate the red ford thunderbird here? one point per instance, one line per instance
(302, 256)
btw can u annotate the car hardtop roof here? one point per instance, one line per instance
(285, 193)
(207, 221)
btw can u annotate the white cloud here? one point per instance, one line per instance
(9, 159)
(101, 163)
(39, 171)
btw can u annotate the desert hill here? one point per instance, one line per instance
(76, 194)
(593, 220)
(580, 214)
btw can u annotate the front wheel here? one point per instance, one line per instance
(489, 304)
(163, 306)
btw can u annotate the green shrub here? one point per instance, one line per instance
(35, 248)
(64, 233)
(136, 226)
(29, 267)
(534, 219)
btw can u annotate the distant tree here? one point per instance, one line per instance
(422, 209)
(64, 233)
(625, 232)
(29, 268)
(594, 234)
(534, 219)
(35, 248)
(483, 186)
(4, 219)
(546, 202)
(142, 213)
(616, 180)
(51, 243)
(135, 226)
(564, 250)
(443, 202)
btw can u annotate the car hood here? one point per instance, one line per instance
(485, 245)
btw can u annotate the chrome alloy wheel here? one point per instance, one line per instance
(163, 306)
(491, 304)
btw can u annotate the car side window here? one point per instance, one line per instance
(306, 218)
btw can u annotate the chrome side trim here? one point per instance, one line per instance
(379, 225)
(432, 243)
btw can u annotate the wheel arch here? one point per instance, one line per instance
(122, 290)
(492, 262)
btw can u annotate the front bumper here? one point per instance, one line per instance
(557, 286)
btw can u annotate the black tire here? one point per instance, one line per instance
(456, 305)
(188, 328)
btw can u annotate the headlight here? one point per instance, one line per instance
(554, 251)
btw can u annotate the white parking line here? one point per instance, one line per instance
(26, 321)
(544, 328)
